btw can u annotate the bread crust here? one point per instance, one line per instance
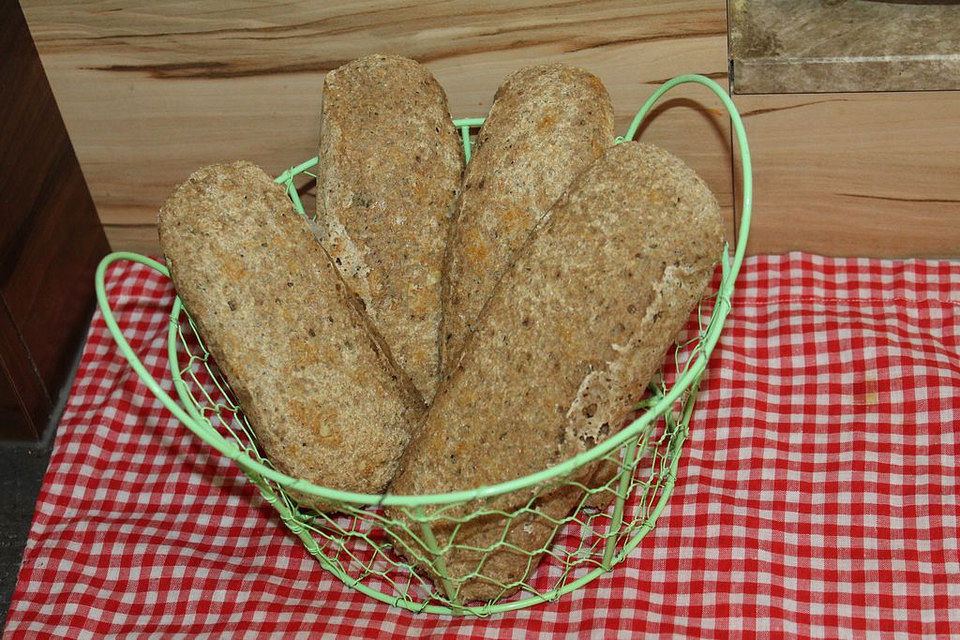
(547, 124)
(563, 350)
(319, 389)
(389, 174)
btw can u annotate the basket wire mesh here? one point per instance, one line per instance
(376, 543)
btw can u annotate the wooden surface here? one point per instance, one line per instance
(50, 239)
(152, 90)
(865, 174)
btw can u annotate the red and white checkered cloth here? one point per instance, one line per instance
(817, 495)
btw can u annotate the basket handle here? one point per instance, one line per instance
(224, 446)
(746, 166)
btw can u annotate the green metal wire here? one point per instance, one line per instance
(373, 552)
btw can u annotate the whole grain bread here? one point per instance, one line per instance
(560, 355)
(319, 389)
(389, 174)
(547, 124)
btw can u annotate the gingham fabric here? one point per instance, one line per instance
(816, 498)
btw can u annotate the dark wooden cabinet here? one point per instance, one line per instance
(50, 239)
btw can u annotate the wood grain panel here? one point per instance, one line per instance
(50, 239)
(152, 90)
(871, 174)
(24, 400)
(17, 425)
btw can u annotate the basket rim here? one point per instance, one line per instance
(189, 415)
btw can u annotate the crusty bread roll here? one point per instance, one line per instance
(388, 178)
(563, 350)
(546, 125)
(319, 389)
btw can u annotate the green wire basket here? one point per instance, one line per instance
(359, 544)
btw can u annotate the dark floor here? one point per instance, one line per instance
(21, 472)
(22, 465)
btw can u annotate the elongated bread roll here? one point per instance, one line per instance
(318, 388)
(388, 178)
(546, 125)
(562, 352)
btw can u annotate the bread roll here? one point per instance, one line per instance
(546, 125)
(320, 391)
(564, 349)
(388, 178)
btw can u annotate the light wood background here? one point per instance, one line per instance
(152, 90)
(867, 174)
